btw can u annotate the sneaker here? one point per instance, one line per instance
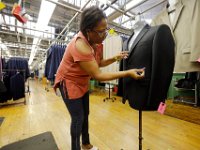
(89, 147)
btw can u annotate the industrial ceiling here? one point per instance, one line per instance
(18, 39)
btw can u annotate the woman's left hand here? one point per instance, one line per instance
(121, 55)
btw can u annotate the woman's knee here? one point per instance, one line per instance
(78, 119)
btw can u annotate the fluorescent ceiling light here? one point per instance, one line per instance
(132, 3)
(46, 11)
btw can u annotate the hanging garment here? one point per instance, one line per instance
(17, 86)
(54, 57)
(111, 47)
(153, 49)
(0, 67)
(4, 64)
(4, 96)
(186, 32)
(2, 87)
(14, 83)
(16, 64)
(47, 65)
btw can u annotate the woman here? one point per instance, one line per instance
(81, 61)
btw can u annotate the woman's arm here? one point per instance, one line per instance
(106, 62)
(109, 61)
(92, 68)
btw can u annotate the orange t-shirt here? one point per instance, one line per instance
(75, 79)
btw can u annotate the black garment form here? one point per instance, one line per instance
(153, 49)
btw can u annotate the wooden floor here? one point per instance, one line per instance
(113, 126)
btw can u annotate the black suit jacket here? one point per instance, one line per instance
(153, 49)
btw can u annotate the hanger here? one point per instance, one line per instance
(17, 71)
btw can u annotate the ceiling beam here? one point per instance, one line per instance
(140, 13)
(69, 23)
(65, 6)
(30, 36)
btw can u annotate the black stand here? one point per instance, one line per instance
(140, 130)
(109, 98)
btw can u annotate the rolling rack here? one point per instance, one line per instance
(18, 70)
(109, 93)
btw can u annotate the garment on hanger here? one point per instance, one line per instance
(16, 64)
(16, 71)
(111, 47)
(17, 86)
(0, 67)
(6, 95)
(186, 32)
(54, 57)
(2, 87)
(153, 49)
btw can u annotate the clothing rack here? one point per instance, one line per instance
(109, 98)
(24, 74)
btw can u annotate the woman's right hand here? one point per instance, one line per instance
(136, 73)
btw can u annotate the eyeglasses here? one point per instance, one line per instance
(102, 33)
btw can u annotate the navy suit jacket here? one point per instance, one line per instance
(17, 86)
(18, 64)
(54, 57)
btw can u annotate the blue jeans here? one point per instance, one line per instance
(79, 112)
